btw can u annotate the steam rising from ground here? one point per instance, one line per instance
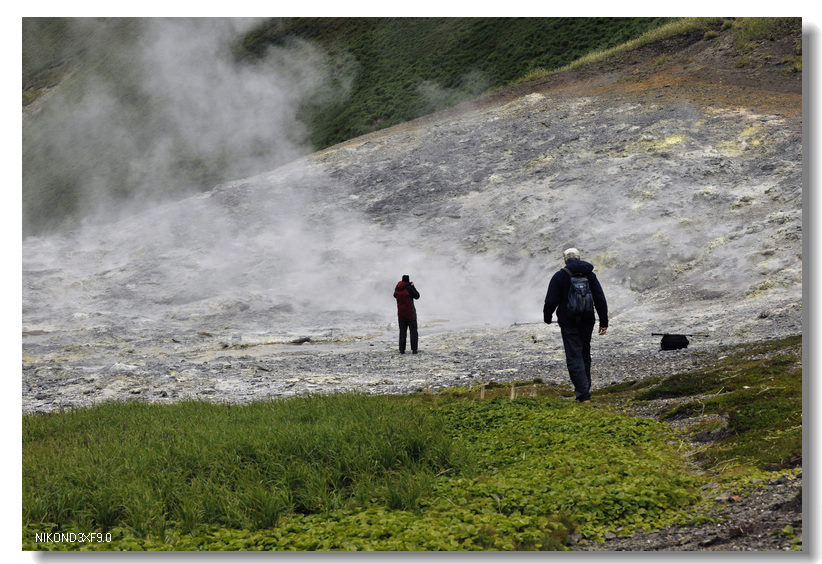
(253, 255)
(266, 255)
(222, 108)
(667, 202)
(164, 108)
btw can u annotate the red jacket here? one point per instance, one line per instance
(406, 294)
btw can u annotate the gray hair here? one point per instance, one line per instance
(571, 254)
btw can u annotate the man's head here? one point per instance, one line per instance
(570, 254)
(406, 278)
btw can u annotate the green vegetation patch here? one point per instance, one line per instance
(748, 32)
(758, 389)
(409, 67)
(348, 472)
(150, 467)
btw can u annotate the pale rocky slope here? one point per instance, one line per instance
(679, 177)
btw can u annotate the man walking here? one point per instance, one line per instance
(406, 293)
(574, 292)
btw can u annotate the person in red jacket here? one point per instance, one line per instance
(406, 293)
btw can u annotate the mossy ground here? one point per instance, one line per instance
(758, 389)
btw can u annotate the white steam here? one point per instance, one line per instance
(219, 106)
(265, 255)
(278, 250)
(164, 110)
(436, 97)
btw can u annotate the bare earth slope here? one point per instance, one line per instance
(677, 172)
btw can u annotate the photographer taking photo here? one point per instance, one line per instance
(405, 294)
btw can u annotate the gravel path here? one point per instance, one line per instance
(64, 369)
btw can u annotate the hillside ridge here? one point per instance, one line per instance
(684, 66)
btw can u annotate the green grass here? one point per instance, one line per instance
(750, 30)
(340, 472)
(443, 471)
(759, 390)
(146, 467)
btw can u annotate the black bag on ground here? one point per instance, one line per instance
(673, 342)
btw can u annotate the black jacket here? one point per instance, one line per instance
(557, 296)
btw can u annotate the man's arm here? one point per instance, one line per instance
(551, 299)
(600, 303)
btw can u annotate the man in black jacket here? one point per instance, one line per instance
(576, 329)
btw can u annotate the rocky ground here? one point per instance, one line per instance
(62, 370)
(677, 171)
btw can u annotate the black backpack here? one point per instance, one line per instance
(580, 298)
(673, 342)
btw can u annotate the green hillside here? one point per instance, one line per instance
(409, 67)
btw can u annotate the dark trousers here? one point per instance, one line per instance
(404, 327)
(577, 343)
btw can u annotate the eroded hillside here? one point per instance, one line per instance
(674, 168)
(678, 171)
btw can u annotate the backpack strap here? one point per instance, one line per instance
(572, 275)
